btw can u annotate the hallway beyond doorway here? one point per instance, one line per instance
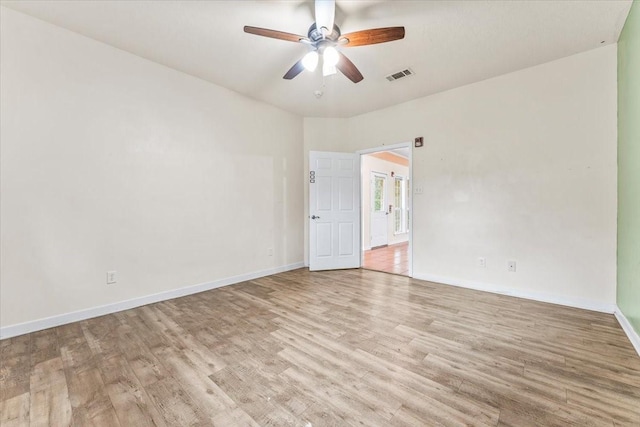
(389, 259)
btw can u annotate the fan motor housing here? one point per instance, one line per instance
(315, 35)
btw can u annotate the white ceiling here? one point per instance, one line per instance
(404, 152)
(447, 44)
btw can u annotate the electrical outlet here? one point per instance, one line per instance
(111, 277)
(482, 262)
(270, 251)
(418, 189)
(511, 266)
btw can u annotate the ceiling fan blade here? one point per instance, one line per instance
(280, 35)
(325, 14)
(372, 36)
(348, 69)
(294, 71)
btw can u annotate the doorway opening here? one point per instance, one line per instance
(386, 209)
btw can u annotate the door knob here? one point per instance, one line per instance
(315, 217)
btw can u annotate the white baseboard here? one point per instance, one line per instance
(536, 296)
(633, 336)
(62, 319)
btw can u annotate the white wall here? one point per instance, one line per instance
(519, 167)
(112, 162)
(371, 164)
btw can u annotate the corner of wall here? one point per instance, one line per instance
(628, 329)
(628, 232)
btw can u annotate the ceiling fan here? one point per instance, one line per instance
(323, 38)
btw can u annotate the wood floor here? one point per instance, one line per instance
(342, 348)
(390, 259)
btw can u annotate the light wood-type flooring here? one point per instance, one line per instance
(340, 348)
(390, 259)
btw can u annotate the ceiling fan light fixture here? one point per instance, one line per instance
(310, 61)
(328, 69)
(330, 56)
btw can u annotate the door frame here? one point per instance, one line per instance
(411, 195)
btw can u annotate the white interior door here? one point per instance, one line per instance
(334, 210)
(379, 234)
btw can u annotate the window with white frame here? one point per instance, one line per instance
(401, 208)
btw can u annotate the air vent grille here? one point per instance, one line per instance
(399, 75)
